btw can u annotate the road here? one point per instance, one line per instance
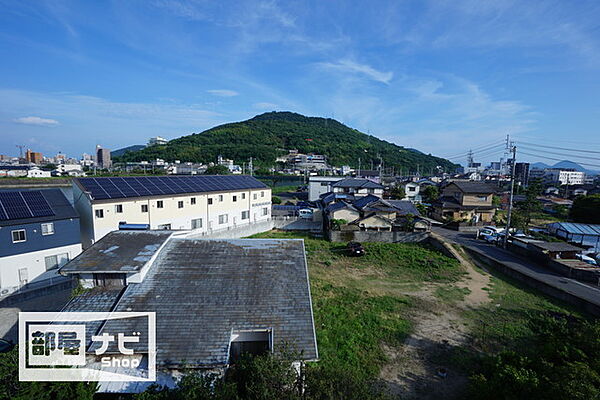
(582, 290)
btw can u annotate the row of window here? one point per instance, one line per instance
(160, 204)
(21, 236)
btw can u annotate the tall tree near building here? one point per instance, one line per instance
(586, 209)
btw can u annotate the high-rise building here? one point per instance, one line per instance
(33, 157)
(522, 173)
(103, 157)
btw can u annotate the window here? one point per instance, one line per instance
(262, 194)
(99, 213)
(223, 219)
(371, 191)
(220, 197)
(482, 198)
(119, 208)
(193, 201)
(324, 183)
(197, 223)
(180, 204)
(19, 236)
(265, 211)
(234, 199)
(56, 261)
(48, 228)
(411, 188)
(144, 208)
(243, 196)
(245, 214)
(209, 201)
(159, 204)
(254, 196)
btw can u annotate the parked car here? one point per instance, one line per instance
(485, 231)
(489, 238)
(305, 213)
(586, 259)
(355, 249)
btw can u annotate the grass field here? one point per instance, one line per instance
(363, 303)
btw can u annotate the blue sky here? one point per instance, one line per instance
(440, 76)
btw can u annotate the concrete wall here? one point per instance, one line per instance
(372, 236)
(557, 293)
(235, 232)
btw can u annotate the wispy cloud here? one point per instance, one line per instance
(36, 121)
(223, 92)
(349, 66)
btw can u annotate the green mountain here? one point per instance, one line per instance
(269, 135)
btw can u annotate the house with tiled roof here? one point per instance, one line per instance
(465, 201)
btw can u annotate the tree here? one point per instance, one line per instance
(525, 209)
(398, 192)
(276, 200)
(12, 388)
(586, 209)
(217, 170)
(431, 193)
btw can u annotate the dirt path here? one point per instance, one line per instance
(416, 369)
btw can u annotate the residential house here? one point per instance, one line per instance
(318, 185)
(213, 299)
(466, 201)
(358, 187)
(412, 190)
(201, 203)
(39, 232)
(35, 172)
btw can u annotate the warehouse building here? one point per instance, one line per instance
(203, 204)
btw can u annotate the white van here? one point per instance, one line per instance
(305, 213)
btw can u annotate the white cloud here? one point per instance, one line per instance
(36, 121)
(265, 106)
(223, 92)
(349, 66)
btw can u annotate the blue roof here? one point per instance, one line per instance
(141, 186)
(576, 228)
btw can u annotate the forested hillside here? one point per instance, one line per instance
(269, 135)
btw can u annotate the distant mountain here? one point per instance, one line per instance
(266, 136)
(566, 164)
(120, 152)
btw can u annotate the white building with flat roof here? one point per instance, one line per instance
(201, 203)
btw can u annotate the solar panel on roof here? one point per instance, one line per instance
(116, 187)
(38, 205)
(21, 205)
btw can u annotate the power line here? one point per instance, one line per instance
(477, 152)
(474, 149)
(561, 154)
(560, 148)
(557, 159)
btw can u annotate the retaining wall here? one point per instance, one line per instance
(373, 236)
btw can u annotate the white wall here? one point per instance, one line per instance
(229, 203)
(320, 185)
(34, 262)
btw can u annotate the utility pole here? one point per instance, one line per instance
(512, 191)
(358, 174)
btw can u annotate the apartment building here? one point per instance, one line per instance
(200, 203)
(558, 176)
(39, 232)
